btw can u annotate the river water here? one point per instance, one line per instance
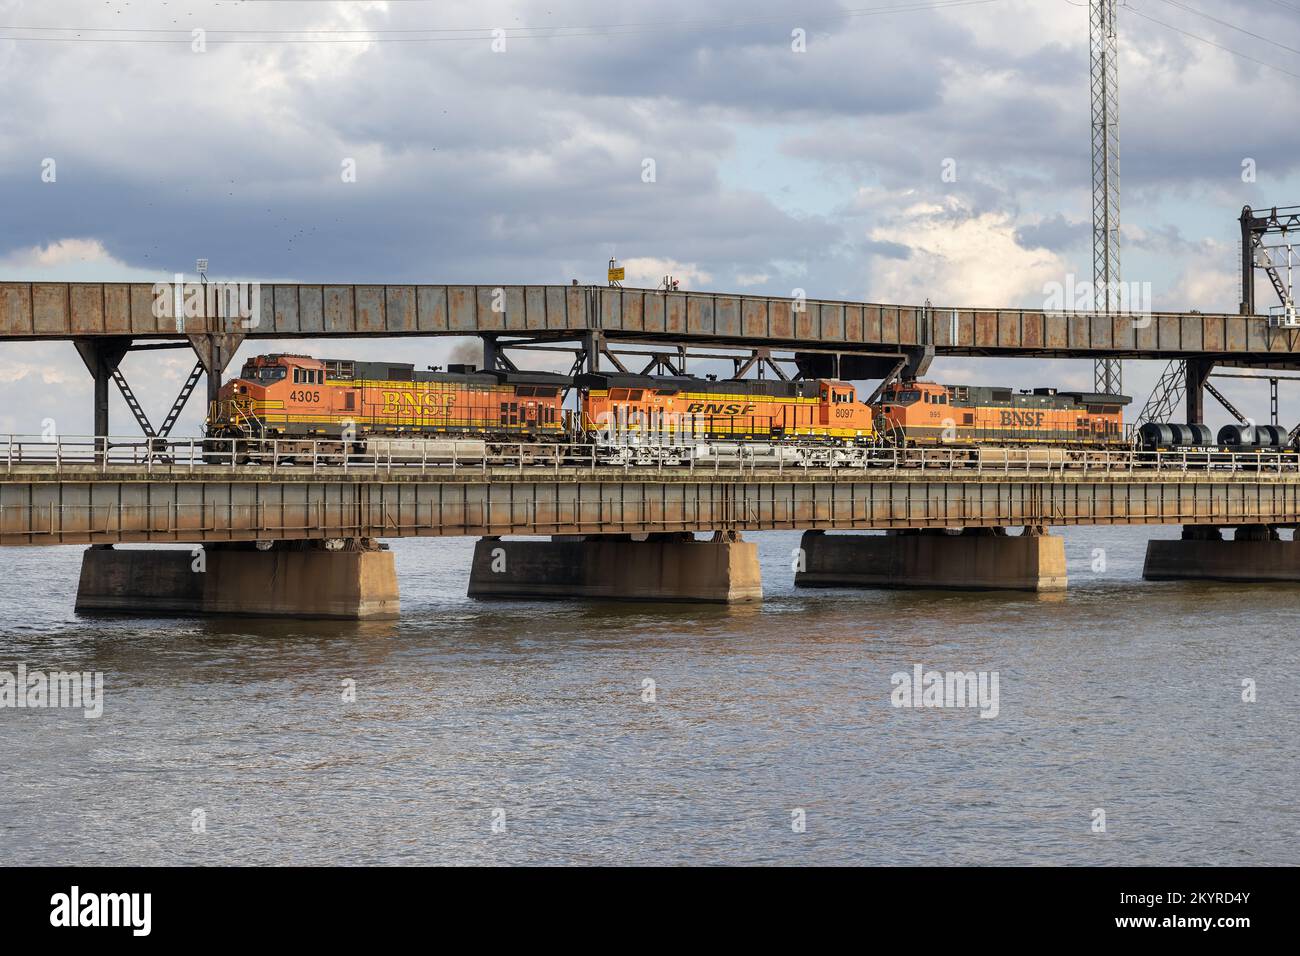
(522, 732)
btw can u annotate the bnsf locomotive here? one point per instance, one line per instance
(923, 413)
(384, 407)
(296, 396)
(744, 409)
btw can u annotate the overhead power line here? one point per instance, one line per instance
(1218, 46)
(1231, 26)
(1285, 3)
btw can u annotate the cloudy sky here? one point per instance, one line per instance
(795, 145)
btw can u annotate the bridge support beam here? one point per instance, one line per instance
(977, 559)
(1197, 371)
(665, 567)
(1255, 553)
(303, 581)
(215, 352)
(102, 357)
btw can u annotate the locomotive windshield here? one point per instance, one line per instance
(266, 373)
(907, 397)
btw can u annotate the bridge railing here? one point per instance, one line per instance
(85, 457)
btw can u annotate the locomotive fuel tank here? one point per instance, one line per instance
(1027, 455)
(426, 449)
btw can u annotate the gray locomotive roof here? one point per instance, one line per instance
(687, 383)
(1098, 398)
(998, 394)
(406, 372)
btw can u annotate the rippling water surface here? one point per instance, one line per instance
(1120, 695)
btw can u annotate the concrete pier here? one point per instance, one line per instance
(977, 559)
(667, 567)
(304, 581)
(1254, 553)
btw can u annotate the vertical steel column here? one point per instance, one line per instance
(1198, 370)
(102, 357)
(215, 352)
(1247, 306)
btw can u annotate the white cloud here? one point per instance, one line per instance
(960, 259)
(1213, 287)
(69, 260)
(649, 272)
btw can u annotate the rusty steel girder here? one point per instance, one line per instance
(44, 310)
(112, 509)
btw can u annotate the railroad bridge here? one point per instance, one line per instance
(302, 539)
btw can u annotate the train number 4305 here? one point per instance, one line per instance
(304, 396)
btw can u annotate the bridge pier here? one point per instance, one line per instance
(1254, 553)
(661, 567)
(303, 580)
(976, 559)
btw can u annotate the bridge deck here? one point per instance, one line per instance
(75, 502)
(89, 310)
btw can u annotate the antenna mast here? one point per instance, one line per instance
(1107, 373)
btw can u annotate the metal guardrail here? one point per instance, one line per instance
(85, 457)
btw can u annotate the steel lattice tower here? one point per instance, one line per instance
(1107, 373)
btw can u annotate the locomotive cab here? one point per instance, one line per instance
(842, 413)
(917, 409)
(269, 389)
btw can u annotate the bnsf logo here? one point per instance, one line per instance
(394, 401)
(711, 408)
(1023, 419)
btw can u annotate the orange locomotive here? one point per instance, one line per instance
(740, 409)
(924, 413)
(299, 396)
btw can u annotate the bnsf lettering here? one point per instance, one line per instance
(396, 400)
(1023, 419)
(714, 408)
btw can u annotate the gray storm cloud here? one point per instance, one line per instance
(526, 165)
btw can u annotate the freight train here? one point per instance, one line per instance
(343, 407)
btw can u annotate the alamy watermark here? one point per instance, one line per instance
(133, 911)
(37, 689)
(235, 302)
(922, 688)
(1129, 299)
